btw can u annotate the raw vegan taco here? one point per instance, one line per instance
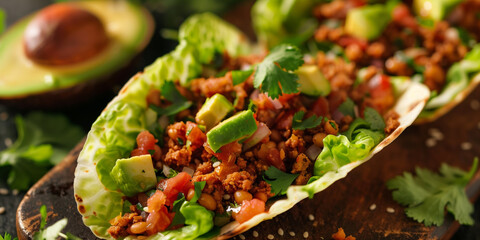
(216, 136)
(434, 42)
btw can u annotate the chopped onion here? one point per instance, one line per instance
(313, 152)
(262, 132)
(166, 170)
(276, 103)
(188, 170)
(254, 94)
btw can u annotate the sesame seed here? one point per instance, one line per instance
(373, 207)
(390, 210)
(3, 116)
(255, 234)
(431, 142)
(475, 104)
(241, 236)
(270, 236)
(305, 235)
(466, 146)
(15, 192)
(311, 217)
(3, 191)
(2, 210)
(216, 164)
(435, 133)
(292, 233)
(280, 232)
(8, 142)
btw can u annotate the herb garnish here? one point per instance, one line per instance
(273, 75)
(179, 102)
(54, 231)
(428, 194)
(310, 122)
(278, 180)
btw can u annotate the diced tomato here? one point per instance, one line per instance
(345, 41)
(173, 186)
(381, 93)
(249, 209)
(227, 152)
(272, 156)
(158, 221)
(320, 107)
(195, 135)
(156, 201)
(145, 143)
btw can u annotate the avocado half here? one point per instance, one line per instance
(27, 84)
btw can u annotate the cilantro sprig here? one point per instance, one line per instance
(299, 124)
(274, 74)
(278, 180)
(428, 194)
(179, 102)
(54, 231)
(43, 141)
(7, 237)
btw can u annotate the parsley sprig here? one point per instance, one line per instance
(274, 74)
(428, 194)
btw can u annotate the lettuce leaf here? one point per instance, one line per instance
(458, 78)
(114, 132)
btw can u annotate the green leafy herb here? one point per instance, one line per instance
(180, 141)
(7, 237)
(310, 122)
(179, 102)
(374, 119)
(401, 56)
(273, 75)
(198, 190)
(178, 218)
(347, 108)
(43, 141)
(428, 194)
(214, 159)
(278, 180)
(172, 173)
(52, 232)
(240, 76)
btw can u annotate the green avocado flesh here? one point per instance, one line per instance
(241, 125)
(134, 175)
(434, 9)
(128, 27)
(312, 82)
(367, 22)
(213, 110)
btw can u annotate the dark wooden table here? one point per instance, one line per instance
(345, 204)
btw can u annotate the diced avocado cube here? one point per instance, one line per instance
(234, 128)
(434, 9)
(134, 175)
(367, 22)
(312, 82)
(213, 111)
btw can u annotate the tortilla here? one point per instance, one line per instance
(113, 134)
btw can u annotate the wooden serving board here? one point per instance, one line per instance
(347, 203)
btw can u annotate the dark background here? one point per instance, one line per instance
(168, 15)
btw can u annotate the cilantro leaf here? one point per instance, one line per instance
(198, 190)
(179, 102)
(310, 122)
(241, 76)
(278, 180)
(178, 218)
(43, 141)
(273, 75)
(7, 237)
(374, 119)
(53, 231)
(347, 108)
(428, 194)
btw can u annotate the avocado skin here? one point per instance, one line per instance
(88, 89)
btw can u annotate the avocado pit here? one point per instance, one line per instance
(64, 34)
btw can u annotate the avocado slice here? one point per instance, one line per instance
(436, 10)
(213, 111)
(367, 22)
(241, 125)
(312, 82)
(25, 83)
(134, 175)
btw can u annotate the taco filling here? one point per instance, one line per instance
(231, 146)
(433, 42)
